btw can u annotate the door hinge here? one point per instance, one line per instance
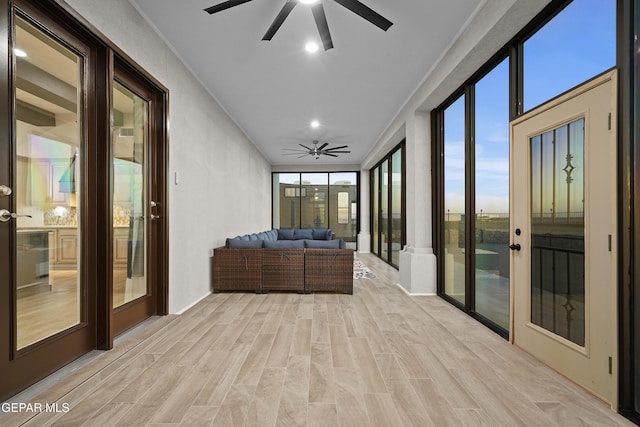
(610, 365)
(610, 245)
(609, 121)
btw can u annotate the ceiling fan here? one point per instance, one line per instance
(316, 151)
(318, 14)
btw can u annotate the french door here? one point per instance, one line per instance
(47, 273)
(563, 231)
(137, 198)
(83, 230)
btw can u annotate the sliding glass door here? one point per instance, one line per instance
(388, 207)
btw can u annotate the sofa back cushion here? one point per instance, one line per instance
(285, 234)
(244, 244)
(284, 244)
(322, 244)
(321, 233)
(302, 233)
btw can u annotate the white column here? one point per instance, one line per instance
(418, 266)
(364, 236)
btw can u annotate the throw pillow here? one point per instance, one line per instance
(321, 233)
(302, 233)
(285, 234)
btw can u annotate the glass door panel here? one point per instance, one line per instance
(557, 231)
(343, 191)
(384, 210)
(48, 186)
(396, 207)
(375, 210)
(130, 202)
(314, 207)
(454, 201)
(286, 200)
(492, 195)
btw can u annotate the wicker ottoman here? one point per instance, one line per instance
(237, 270)
(283, 270)
(328, 270)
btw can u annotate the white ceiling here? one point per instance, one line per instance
(273, 90)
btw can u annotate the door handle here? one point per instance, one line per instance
(5, 191)
(153, 216)
(5, 215)
(515, 246)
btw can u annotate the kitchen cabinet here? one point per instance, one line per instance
(33, 258)
(120, 245)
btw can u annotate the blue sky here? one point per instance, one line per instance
(576, 45)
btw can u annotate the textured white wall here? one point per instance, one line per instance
(225, 182)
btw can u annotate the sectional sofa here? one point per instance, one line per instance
(299, 260)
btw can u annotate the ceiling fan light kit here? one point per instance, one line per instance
(317, 9)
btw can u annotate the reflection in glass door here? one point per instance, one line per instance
(48, 187)
(129, 142)
(557, 231)
(454, 201)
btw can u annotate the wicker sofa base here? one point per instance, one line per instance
(296, 270)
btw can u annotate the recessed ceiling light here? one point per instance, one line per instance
(19, 52)
(311, 47)
(315, 124)
(308, 1)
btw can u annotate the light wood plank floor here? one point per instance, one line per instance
(378, 358)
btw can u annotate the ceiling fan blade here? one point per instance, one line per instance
(334, 152)
(329, 154)
(304, 155)
(367, 13)
(337, 148)
(275, 25)
(305, 147)
(224, 5)
(323, 145)
(323, 27)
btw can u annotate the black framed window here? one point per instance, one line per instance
(388, 206)
(317, 200)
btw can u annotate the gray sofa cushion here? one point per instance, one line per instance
(321, 233)
(302, 233)
(285, 234)
(322, 244)
(244, 244)
(283, 244)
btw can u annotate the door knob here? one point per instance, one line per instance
(5, 191)
(5, 215)
(515, 247)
